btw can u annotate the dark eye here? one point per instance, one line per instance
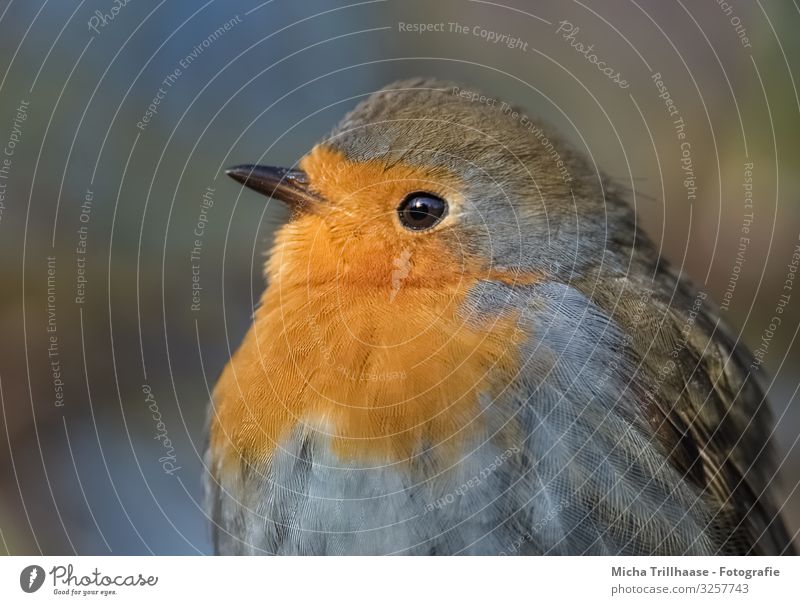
(421, 211)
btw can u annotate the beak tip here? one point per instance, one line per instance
(239, 173)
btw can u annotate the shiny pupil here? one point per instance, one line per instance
(422, 211)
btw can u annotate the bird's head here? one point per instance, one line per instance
(435, 184)
(424, 195)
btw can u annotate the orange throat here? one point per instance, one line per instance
(362, 336)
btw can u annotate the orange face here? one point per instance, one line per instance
(354, 238)
(361, 334)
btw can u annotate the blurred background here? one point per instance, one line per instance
(130, 264)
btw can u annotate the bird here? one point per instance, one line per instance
(468, 346)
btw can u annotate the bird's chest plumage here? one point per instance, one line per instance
(383, 376)
(358, 426)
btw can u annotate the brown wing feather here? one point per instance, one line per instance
(707, 409)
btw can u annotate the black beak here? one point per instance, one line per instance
(284, 184)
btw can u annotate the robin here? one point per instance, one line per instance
(467, 346)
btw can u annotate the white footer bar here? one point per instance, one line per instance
(406, 580)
